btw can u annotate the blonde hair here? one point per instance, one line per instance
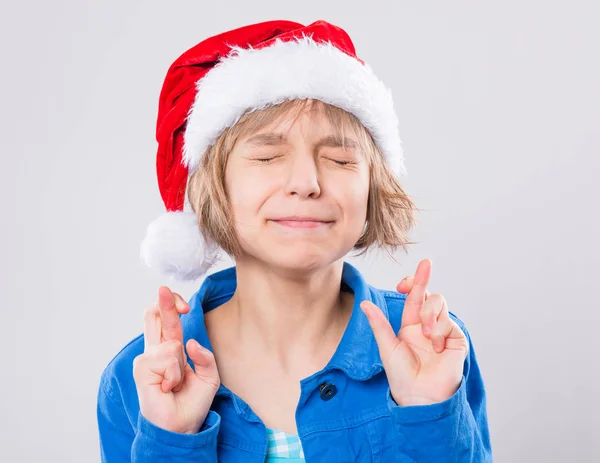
(390, 212)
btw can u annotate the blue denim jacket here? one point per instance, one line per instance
(345, 412)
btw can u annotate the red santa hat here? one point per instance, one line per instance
(210, 86)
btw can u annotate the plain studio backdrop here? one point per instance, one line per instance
(499, 114)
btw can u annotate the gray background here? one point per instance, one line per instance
(499, 113)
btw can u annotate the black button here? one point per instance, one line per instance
(327, 391)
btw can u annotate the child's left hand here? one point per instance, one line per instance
(423, 367)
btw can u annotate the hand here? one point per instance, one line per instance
(171, 394)
(424, 362)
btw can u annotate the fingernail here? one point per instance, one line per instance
(426, 329)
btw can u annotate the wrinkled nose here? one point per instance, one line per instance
(303, 177)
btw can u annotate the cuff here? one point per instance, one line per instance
(206, 436)
(419, 413)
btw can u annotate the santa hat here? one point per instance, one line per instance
(210, 86)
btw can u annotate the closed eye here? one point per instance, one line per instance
(265, 160)
(343, 163)
(338, 162)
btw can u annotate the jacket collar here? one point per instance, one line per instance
(357, 354)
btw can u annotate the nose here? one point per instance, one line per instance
(303, 177)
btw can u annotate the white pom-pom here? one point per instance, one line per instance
(175, 247)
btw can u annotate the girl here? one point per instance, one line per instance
(286, 144)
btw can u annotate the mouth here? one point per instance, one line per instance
(301, 222)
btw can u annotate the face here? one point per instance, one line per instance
(298, 197)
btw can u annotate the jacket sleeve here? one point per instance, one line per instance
(455, 430)
(121, 442)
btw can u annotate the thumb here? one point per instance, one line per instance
(382, 330)
(205, 366)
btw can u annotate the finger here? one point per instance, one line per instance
(153, 367)
(169, 316)
(447, 334)
(169, 351)
(182, 307)
(174, 349)
(416, 297)
(205, 366)
(181, 304)
(172, 376)
(382, 330)
(152, 326)
(442, 328)
(406, 285)
(171, 323)
(430, 312)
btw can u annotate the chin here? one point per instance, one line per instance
(298, 253)
(304, 256)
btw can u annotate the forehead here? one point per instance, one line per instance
(313, 117)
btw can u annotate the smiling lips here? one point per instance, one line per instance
(301, 222)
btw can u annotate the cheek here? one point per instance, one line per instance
(356, 198)
(246, 193)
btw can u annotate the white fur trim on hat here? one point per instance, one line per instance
(257, 78)
(175, 247)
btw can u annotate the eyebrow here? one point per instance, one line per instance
(277, 139)
(269, 139)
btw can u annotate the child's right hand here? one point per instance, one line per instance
(171, 394)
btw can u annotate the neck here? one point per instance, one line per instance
(288, 316)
